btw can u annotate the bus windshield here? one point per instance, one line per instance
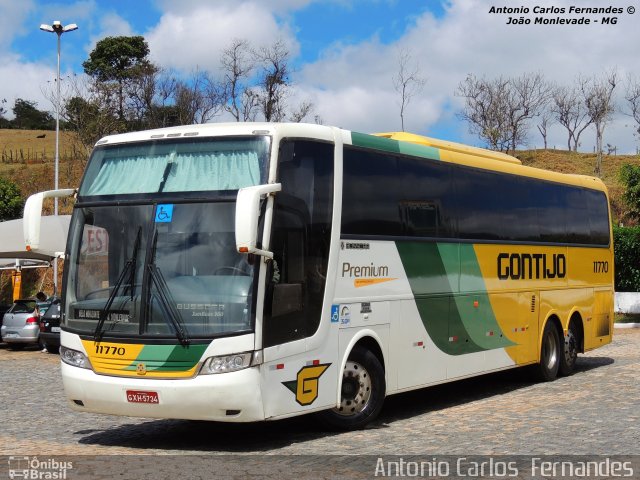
(177, 165)
(169, 270)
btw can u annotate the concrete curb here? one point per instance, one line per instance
(626, 325)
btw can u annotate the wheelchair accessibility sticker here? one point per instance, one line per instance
(164, 213)
(334, 313)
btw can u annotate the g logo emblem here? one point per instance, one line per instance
(306, 385)
(141, 368)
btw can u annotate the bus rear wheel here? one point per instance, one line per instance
(570, 350)
(362, 393)
(550, 353)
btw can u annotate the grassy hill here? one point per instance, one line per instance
(27, 158)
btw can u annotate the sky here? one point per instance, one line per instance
(344, 53)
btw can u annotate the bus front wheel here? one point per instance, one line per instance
(362, 393)
(550, 353)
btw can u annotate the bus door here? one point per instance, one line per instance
(295, 378)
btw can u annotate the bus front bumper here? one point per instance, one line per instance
(225, 397)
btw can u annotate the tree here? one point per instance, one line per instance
(598, 99)
(273, 81)
(27, 116)
(528, 94)
(150, 98)
(632, 96)
(630, 176)
(545, 120)
(485, 109)
(11, 203)
(257, 83)
(4, 123)
(499, 110)
(198, 99)
(238, 64)
(119, 60)
(304, 109)
(407, 82)
(569, 111)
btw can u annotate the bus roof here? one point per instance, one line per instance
(480, 158)
(450, 146)
(401, 142)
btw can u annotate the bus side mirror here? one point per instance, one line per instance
(33, 213)
(247, 215)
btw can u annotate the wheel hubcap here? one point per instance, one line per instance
(570, 348)
(356, 389)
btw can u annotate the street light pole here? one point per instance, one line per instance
(58, 29)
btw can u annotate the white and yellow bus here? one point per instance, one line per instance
(245, 272)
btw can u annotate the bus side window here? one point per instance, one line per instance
(300, 241)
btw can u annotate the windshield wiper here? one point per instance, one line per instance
(134, 261)
(164, 294)
(129, 266)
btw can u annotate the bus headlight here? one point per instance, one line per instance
(226, 363)
(74, 358)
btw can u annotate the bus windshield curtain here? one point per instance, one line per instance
(188, 172)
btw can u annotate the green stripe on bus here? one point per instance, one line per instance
(394, 146)
(478, 320)
(432, 289)
(453, 321)
(170, 357)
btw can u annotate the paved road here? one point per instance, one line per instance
(596, 411)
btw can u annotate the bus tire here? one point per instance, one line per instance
(550, 353)
(362, 394)
(569, 350)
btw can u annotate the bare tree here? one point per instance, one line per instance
(485, 109)
(238, 64)
(151, 97)
(527, 96)
(632, 96)
(90, 108)
(198, 99)
(545, 119)
(499, 110)
(273, 80)
(598, 99)
(407, 81)
(250, 104)
(568, 109)
(304, 109)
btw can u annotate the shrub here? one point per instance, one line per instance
(11, 202)
(626, 242)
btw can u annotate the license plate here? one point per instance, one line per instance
(55, 329)
(139, 396)
(11, 335)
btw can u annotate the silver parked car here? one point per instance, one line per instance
(20, 325)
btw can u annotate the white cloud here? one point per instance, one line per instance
(12, 17)
(467, 39)
(196, 35)
(27, 85)
(277, 6)
(77, 12)
(111, 25)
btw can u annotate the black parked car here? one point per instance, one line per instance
(50, 327)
